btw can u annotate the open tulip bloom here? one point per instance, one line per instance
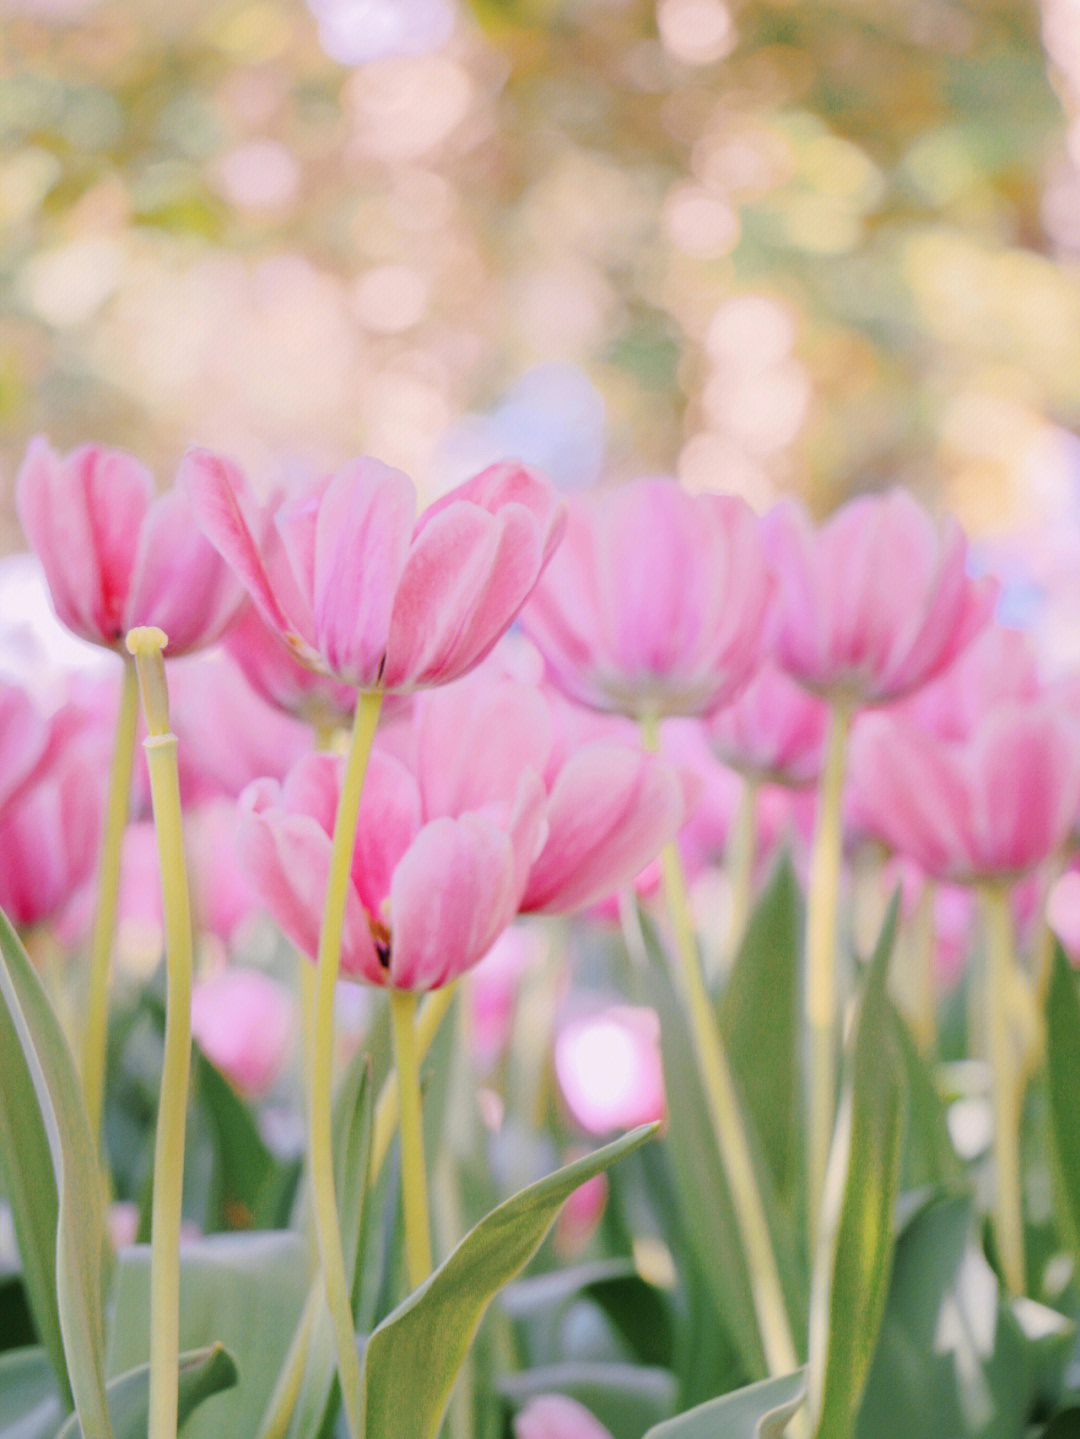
(554, 774)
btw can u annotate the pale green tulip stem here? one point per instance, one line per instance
(95, 1034)
(821, 988)
(321, 1065)
(146, 644)
(413, 1171)
(1006, 1082)
(726, 1118)
(742, 855)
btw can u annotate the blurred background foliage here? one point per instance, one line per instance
(770, 247)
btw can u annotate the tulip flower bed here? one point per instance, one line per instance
(550, 968)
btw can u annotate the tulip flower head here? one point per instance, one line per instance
(117, 555)
(656, 602)
(361, 589)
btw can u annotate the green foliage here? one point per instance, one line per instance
(760, 1411)
(202, 1374)
(414, 1356)
(1063, 1094)
(74, 1257)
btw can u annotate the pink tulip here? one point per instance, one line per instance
(580, 1216)
(999, 665)
(362, 590)
(274, 672)
(432, 887)
(553, 1416)
(656, 603)
(992, 807)
(774, 730)
(116, 555)
(492, 996)
(609, 1069)
(609, 809)
(24, 738)
(244, 1023)
(877, 601)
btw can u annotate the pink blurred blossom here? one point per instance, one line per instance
(244, 1022)
(116, 554)
(277, 675)
(876, 601)
(554, 1416)
(656, 602)
(361, 589)
(609, 1070)
(774, 730)
(581, 1214)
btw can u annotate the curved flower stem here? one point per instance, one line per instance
(320, 1142)
(413, 1171)
(95, 1034)
(742, 853)
(278, 1415)
(923, 972)
(1007, 1084)
(820, 993)
(146, 644)
(726, 1119)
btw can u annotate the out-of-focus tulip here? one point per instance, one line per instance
(117, 555)
(554, 1416)
(992, 807)
(609, 1070)
(360, 588)
(244, 1022)
(774, 730)
(432, 888)
(999, 665)
(656, 602)
(24, 737)
(876, 601)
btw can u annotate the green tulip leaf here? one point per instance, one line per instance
(1063, 1094)
(851, 1273)
(245, 1291)
(413, 1358)
(760, 1411)
(66, 1243)
(30, 1406)
(203, 1372)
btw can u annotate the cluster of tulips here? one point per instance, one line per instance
(407, 732)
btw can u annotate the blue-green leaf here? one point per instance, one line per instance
(760, 1411)
(30, 1406)
(1063, 1093)
(414, 1356)
(202, 1373)
(81, 1245)
(852, 1266)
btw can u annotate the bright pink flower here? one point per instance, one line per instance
(656, 602)
(991, 807)
(118, 555)
(432, 886)
(774, 730)
(244, 1023)
(360, 588)
(610, 807)
(609, 1069)
(553, 1416)
(877, 601)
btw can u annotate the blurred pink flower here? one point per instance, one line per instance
(274, 672)
(24, 738)
(433, 884)
(609, 1070)
(876, 601)
(610, 806)
(494, 986)
(360, 588)
(117, 555)
(244, 1023)
(580, 1215)
(656, 603)
(1000, 664)
(993, 806)
(553, 1416)
(774, 730)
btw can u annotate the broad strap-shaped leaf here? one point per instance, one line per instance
(760, 1411)
(30, 1406)
(953, 1358)
(929, 1155)
(1063, 1093)
(203, 1372)
(760, 1012)
(413, 1357)
(82, 1250)
(854, 1257)
(245, 1291)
